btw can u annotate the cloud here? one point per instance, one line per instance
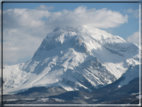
(14, 18)
(135, 13)
(24, 29)
(101, 18)
(42, 7)
(19, 45)
(134, 38)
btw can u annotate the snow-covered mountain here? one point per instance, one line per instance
(80, 58)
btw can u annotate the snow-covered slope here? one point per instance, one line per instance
(73, 58)
(129, 75)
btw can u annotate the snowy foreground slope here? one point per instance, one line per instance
(75, 59)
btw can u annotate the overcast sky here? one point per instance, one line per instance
(27, 24)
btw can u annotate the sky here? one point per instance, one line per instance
(25, 25)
